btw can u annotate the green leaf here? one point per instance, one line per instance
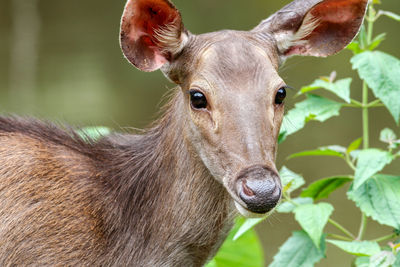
(287, 207)
(322, 151)
(298, 251)
(324, 187)
(362, 37)
(387, 136)
(362, 262)
(369, 162)
(377, 41)
(341, 88)
(397, 262)
(313, 218)
(358, 248)
(282, 137)
(238, 253)
(246, 226)
(354, 145)
(321, 108)
(93, 133)
(390, 14)
(379, 198)
(382, 259)
(290, 180)
(355, 47)
(382, 74)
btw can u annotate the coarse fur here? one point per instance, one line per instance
(99, 202)
(167, 196)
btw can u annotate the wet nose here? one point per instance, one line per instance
(260, 188)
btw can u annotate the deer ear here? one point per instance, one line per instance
(314, 27)
(151, 33)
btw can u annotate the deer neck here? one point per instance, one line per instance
(174, 206)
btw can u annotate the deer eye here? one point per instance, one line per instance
(280, 95)
(197, 99)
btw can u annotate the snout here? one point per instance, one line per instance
(259, 188)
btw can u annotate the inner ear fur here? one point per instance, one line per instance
(315, 27)
(151, 33)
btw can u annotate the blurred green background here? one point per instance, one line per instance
(61, 60)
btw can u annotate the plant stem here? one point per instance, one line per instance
(363, 227)
(371, 20)
(349, 162)
(340, 237)
(384, 238)
(374, 103)
(341, 228)
(356, 103)
(365, 118)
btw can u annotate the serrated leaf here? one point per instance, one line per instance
(354, 145)
(290, 180)
(382, 74)
(358, 248)
(377, 41)
(382, 259)
(299, 251)
(321, 108)
(322, 151)
(238, 253)
(341, 88)
(246, 226)
(287, 207)
(370, 162)
(324, 187)
(390, 14)
(379, 198)
(313, 218)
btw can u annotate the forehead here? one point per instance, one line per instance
(236, 62)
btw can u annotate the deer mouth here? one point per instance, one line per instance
(245, 212)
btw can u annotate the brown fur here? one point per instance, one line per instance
(164, 197)
(113, 203)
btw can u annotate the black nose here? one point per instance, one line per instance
(260, 188)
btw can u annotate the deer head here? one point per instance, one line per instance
(233, 96)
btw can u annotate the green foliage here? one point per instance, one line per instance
(313, 108)
(246, 251)
(382, 74)
(369, 162)
(376, 195)
(299, 251)
(313, 218)
(340, 88)
(290, 180)
(379, 198)
(324, 187)
(322, 151)
(358, 248)
(289, 206)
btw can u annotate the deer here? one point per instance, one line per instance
(166, 196)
